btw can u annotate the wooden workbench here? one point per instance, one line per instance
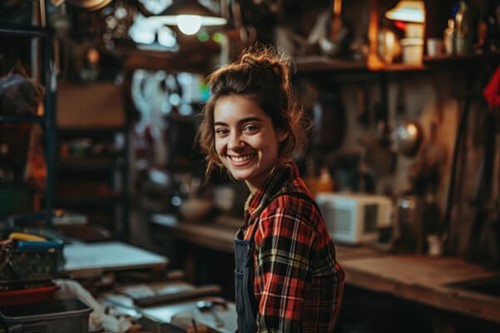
(421, 278)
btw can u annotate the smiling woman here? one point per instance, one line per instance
(287, 278)
(262, 76)
(245, 139)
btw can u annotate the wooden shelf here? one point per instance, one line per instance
(85, 163)
(22, 119)
(322, 64)
(97, 200)
(318, 64)
(465, 62)
(193, 56)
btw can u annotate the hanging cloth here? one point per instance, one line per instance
(492, 90)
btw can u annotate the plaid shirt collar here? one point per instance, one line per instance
(272, 186)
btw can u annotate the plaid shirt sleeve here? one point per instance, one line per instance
(293, 253)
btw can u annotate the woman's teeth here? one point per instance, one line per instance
(240, 158)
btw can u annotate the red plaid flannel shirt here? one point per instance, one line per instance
(298, 283)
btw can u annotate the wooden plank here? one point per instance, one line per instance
(345, 252)
(421, 270)
(427, 281)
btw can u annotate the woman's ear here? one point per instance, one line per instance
(282, 135)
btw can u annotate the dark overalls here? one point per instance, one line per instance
(246, 306)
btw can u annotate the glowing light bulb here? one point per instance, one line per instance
(189, 24)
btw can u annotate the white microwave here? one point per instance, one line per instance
(354, 218)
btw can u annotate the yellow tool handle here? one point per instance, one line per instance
(21, 236)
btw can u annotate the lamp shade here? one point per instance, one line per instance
(189, 16)
(89, 4)
(407, 11)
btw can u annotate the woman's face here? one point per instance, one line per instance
(245, 139)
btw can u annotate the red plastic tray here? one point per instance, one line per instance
(26, 296)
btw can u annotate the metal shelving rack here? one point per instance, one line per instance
(48, 119)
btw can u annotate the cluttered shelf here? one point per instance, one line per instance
(91, 163)
(440, 282)
(322, 64)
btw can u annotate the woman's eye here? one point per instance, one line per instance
(250, 128)
(221, 131)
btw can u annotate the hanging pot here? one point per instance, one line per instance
(406, 138)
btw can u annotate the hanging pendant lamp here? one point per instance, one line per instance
(90, 5)
(189, 16)
(407, 11)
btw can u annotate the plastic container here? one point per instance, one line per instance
(413, 51)
(434, 47)
(58, 316)
(28, 295)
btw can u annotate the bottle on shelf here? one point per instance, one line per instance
(492, 22)
(449, 38)
(325, 181)
(464, 28)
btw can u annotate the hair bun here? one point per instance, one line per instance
(275, 67)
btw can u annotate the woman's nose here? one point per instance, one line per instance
(235, 142)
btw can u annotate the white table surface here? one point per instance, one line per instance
(109, 256)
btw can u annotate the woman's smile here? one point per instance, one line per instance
(241, 159)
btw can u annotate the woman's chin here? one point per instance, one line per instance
(239, 176)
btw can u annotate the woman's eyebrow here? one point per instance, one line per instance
(241, 121)
(248, 119)
(220, 123)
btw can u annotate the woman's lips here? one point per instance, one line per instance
(241, 160)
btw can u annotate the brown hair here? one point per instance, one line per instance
(263, 74)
